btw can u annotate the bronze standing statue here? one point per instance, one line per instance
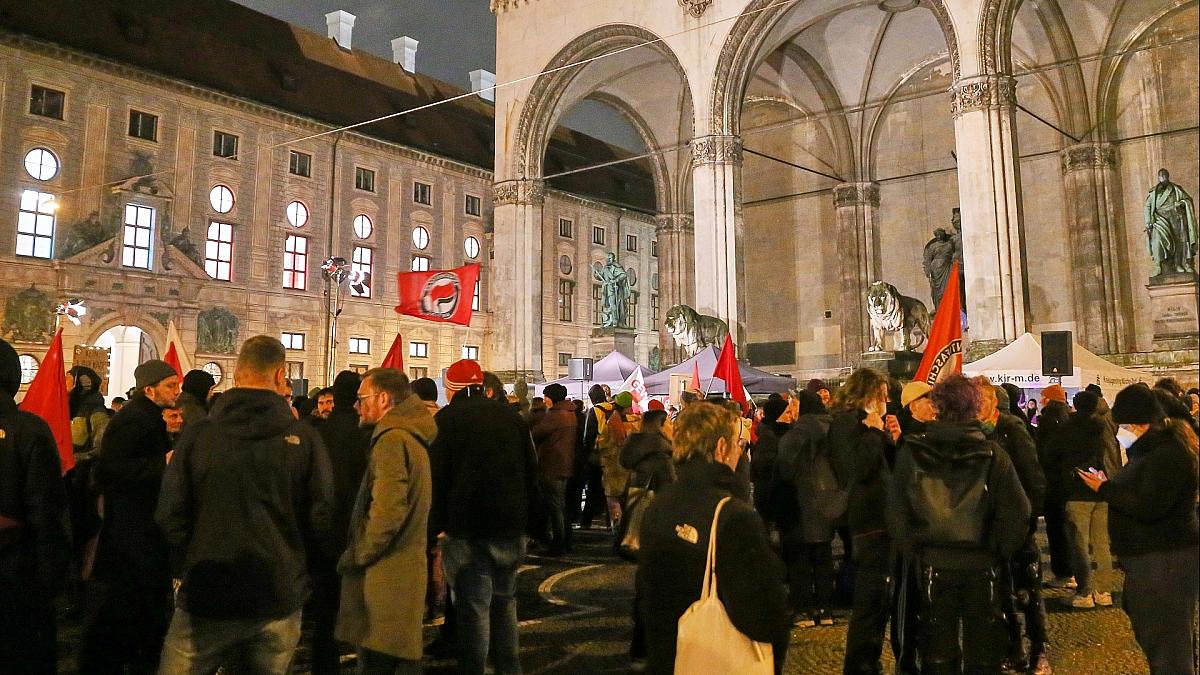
(936, 262)
(614, 287)
(1170, 227)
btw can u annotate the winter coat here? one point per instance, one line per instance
(671, 567)
(596, 419)
(246, 496)
(862, 457)
(762, 465)
(1010, 433)
(192, 408)
(484, 470)
(89, 419)
(1152, 502)
(35, 532)
(384, 570)
(797, 452)
(616, 477)
(554, 435)
(647, 456)
(347, 445)
(128, 476)
(1007, 521)
(1083, 442)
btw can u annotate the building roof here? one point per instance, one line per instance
(224, 46)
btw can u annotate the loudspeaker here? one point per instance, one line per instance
(1057, 356)
(579, 369)
(300, 387)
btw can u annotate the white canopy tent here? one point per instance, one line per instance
(612, 370)
(1021, 364)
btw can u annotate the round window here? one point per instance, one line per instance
(221, 198)
(632, 275)
(213, 368)
(297, 214)
(471, 247)
(362, 226)
(565, 265)
(29, 368)
(420, 238)
(41, 164)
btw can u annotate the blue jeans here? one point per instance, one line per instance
(198, 645)
(483, 574)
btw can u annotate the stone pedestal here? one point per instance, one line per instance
(900, 365)
(1174, 308)
(605, 340)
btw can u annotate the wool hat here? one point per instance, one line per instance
(773, 409)
(913, 391)
(345, 389)
(1136, 404)
(462, 374)
(555, 392)
(151, 373)
(623, 400)
(1085, 403)
(10, 369)
(1055, 392)
(1095, 389)
(814, 385)
(198, 383)
(655, 404)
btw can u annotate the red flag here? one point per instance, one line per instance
(47, 398)
(727, 370)
(439, 295)
(943, 351)
(394, 358)
(172, 359)
(695, 385)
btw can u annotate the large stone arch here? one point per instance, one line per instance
(658, 164)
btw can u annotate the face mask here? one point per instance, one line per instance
(1126, 437)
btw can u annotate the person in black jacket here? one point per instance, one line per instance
(484, 489)
(35, 534)
(1154, 529)
(129, 619)
(1054, 414)
(675, 536)
(246, 496)
(762, 460)
(961, 543)
(862, 447)
(1022, 577)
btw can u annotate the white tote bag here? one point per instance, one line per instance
(708, 642)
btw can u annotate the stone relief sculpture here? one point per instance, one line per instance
(936, 262)
(614, 288)
(904, 318)
(693, 331)
(216, 331)
(85, 234)
(1170, 227)
(28, 316)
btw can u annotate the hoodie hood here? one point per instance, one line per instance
(949, 441)
(409, 415)
(641, 445)
(251, 413)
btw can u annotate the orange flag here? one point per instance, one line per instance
(943, 353)
(395, 357)
(172, 359)
(727, 370)
(47, 398)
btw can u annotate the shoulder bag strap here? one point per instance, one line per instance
(710, 565)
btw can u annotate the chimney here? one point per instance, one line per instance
(340, 25)
(404, 53)
(483, 83)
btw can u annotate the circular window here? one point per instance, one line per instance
(471, 247)
(654, 281)
(565, 265)
(29, 368)
(41, 164)
(213, 368)
(420, 238)
(297, 214)
(362, 226)
(221, 198)
(632, 275)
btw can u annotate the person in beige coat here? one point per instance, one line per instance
(383, 567)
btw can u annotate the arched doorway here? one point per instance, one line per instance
(128, 346)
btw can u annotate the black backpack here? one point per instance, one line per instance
(950, 500)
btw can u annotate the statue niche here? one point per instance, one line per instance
(217, 331)
(1170, 228)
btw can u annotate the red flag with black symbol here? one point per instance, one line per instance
(439, 295)
(394, 358)
(727, 370)
(47, 398)
(943, 351)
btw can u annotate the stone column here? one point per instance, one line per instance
(1099, 286)
(717, 193)
(989, 189)
(516, 287)
(857, 207)
(676, 272)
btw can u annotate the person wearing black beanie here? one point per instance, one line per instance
(193, 397)
(1154, 528)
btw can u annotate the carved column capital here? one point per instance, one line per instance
(499, 6)
(528, 191)
(717, 150)
(694, 7)
(856, 194)
(982, 93)
(672, 223)
(1088, 156)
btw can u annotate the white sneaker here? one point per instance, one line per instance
(1102, 599)
(1062, 582)
(1080, 602)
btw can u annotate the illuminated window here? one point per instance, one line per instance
(29, 367)
(36, 224)
(362, 262)
(139, 231)
(295, 262)
(41, 164)
(360, 345)
(470, 352)
(363, 227)
(418, 350)
(471, 247)
(420, 263)
(420, 238)
(475, 298)
(294, 341)
(218, 250)
(221, 199)
(297, 214)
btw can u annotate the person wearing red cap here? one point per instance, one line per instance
(484, 490)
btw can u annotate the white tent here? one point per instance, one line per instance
(1021, 364)
(612, 370)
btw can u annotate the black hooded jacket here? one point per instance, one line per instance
(246, 497)
(1082, 442)
(648, 457)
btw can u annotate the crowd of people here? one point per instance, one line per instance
(198, 530)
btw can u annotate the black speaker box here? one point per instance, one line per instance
(1057, 356)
